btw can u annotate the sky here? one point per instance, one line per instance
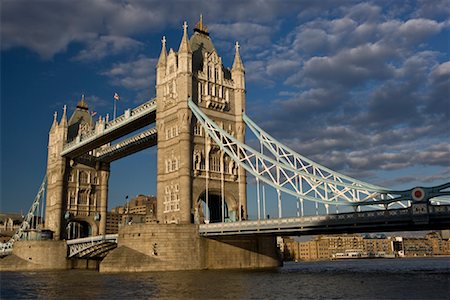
(361, 87)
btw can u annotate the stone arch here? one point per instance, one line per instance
(213, 211)
(80, 228)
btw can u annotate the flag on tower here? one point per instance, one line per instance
(116, 97)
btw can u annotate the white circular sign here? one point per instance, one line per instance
(418, 194)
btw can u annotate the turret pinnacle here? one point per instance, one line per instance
(55, 121)
(163, 56)
(64, 117)
(237, 64)
(184, 45)
(82, 104)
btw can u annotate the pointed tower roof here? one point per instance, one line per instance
(200, 43)
(64, 117)
(80, 115)
(82, 104)
(237, 64)
(163, 56)
(55, 121)
(184, 45)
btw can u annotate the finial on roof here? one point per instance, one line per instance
(184, 45)
(237, 64)
(64, 116)
(55, 121)
(82, 104)
(163, 55)
(199, 27)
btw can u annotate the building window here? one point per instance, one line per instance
(200, 92)
(172, 132)
(171, 198)
(215, 163)
(83, 177)
(198, 129)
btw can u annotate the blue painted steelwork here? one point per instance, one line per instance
(430, 218)
(329, 190)
(6, 248)
(94, 246)
(296, 175)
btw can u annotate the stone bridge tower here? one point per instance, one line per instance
(197, 182)
(77, 188)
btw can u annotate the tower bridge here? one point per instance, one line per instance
(198, 124)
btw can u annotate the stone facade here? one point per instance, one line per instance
(196, 181)
(194, 175)
(77, 189)
(324, 247)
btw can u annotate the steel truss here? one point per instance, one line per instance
(294, 174)
(92, 246)
(6, 248)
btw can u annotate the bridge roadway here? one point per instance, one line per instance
(130, 121)
(417, 217)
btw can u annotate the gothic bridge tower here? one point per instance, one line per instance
(197, 181)
(77, 189)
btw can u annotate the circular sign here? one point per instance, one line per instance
(418, 194)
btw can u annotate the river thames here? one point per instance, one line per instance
(418, 278)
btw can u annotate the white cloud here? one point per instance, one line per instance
(103, 46)
(135, 75)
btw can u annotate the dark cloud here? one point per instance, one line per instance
(48, 27)
(361, 85)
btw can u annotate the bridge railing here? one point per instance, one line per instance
(403, 215)
(139, 137)
(92, 239)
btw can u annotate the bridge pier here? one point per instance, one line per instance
(162, 247)
(36, 255)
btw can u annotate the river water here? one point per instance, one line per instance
(416, 278)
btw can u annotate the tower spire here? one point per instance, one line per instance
(55, 121)
(200, 27)
(64, 117)
(184, 46)
(237, 64)
(82, 104)
(163, 56)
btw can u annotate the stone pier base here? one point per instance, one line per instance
(36, 255)
(160, 247)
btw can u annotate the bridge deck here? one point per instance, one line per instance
(438, 217)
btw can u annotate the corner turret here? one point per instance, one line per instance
(185, 53)
(162, 62)
(237, 64)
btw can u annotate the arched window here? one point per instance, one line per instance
(174, 164)
(83, 197)
(83, 177)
